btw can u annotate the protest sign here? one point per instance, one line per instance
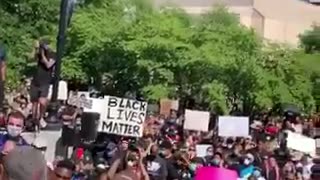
(83, 94)
(95, 105)
(62, 91)
(175, 105)
(213, 173)
(123, 117)
(196, 120)
(301, 143)
(165, 107)
(81, 102)
(201, 149)
(233, 126)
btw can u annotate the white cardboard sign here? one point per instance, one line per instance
(233, 126)
(62, 91)
(301, 143)
(196, 120)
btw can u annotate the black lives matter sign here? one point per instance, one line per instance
(123, 117)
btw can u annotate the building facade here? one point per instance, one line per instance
(275, 20)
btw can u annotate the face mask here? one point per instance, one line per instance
(229, 146)
(14, 131)
(193, 167)
(172, 121)
(246, 162)
(256, 173)
(162, 152)
(216, 162)
(131, 163)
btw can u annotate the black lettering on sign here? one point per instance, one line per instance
(141, 117)
(133, 117)
(107, 126)
(122, 103)
(120, 112)
(120, 128)
(143, 106)
(136, 105)
(129, 129)
(127, 115)
(113, 102)
(136, 130)
(116, 129)
(109, 114)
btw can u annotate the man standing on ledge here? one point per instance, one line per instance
(41, 82)
(2, 75)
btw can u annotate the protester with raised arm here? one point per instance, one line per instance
(40, 84)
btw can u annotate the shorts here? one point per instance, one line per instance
(37, 92)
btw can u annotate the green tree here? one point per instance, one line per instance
(310, 39)
(21, 22)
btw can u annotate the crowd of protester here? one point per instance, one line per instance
(165, 152)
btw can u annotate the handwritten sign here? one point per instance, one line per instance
(81, 102)
(123, 117)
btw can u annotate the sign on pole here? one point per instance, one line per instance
(123, 117)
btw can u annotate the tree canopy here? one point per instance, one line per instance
(128, 47)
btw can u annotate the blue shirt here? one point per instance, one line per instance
(246, 172)
(5, 137)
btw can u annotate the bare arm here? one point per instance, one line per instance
(144, 172)
(47, 62)
(3, 70)
(113, 169)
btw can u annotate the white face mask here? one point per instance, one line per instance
(246, 162)
(130, 163)
(14, 131)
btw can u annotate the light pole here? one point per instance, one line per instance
(66, 8)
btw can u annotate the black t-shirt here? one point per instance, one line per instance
(43, 75)
(172, 169)
(157, 168)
